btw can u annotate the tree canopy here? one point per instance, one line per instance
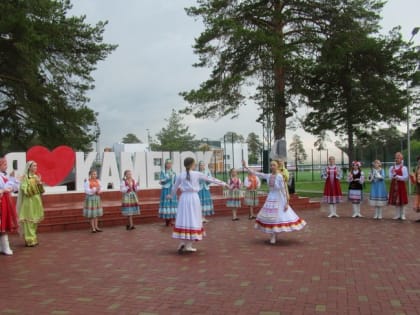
(297, 149)
(254, 147)
(359, 79)
(232, 136)
(258, 51)
(46, 61)
(131, 138)
(175, 136)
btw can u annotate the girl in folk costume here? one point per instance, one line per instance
(285, 173)
(204, 193)
(188, 224)
(8, 215)
(252, 184)
(234, 193)
(30, 208)
(415, 180)
(93, 208)
(356, 179)
(378, 196)
(332, 189)
(130, 203)
(167, 207)
(397, 190)
(276, 215)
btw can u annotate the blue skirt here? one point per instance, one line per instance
(378, 196)
(167, 207)
(207, 207)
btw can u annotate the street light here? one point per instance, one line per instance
(413, 33)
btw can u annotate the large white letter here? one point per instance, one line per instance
(82, 168)
(176, 162)
(204, 156)
(155, 163)
(138, 168)
(109, 171)
(20, 158)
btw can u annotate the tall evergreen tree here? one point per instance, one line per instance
(360, 79)
(46, 61)
(297, 149)
(254, 147)
(131, 138)
(267, 45)
(175, 136)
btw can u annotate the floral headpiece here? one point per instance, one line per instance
(356, 163)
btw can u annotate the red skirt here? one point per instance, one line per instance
(8, 215)
(332, 191)
(397, 193)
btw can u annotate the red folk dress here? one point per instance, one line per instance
(397, 190)
(332, 188)
(8, 215)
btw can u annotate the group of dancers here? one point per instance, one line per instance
(275, 216)
(187, 215)
(378, 197)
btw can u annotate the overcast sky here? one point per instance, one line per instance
(137, 86)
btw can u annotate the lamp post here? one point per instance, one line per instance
(413, 33)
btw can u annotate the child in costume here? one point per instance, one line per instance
(31, 209)
(378, 196)
(252, 183)
(276, 215)
(93, 208)
(130, 202)
(188, 223)
(397, 189)
(415, 180)
(234, 193)
(8, 215)
(285, 173)
(332, 189)
(204, 193)
(167, 207)
(356, 179)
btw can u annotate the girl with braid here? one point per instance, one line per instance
(188, 222)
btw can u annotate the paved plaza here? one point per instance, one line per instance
(333, 266)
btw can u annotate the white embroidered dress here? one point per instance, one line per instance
(188, 223)
(272, 218)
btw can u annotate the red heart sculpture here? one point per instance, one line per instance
(53, 166)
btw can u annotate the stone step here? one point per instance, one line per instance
(64, 211)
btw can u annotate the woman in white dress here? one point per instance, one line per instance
(189, 223)
(276, 215)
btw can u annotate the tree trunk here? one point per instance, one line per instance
(279, 110)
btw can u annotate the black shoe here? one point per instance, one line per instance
(132, 227)
(98, 230)
(127, 227)
(181, 249)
